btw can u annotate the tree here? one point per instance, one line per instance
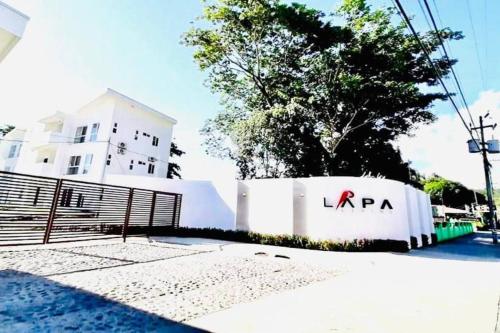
(6, 129)
(174, 169)
(303, 97)
(449, 193)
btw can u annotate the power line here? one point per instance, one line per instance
(438, 75)
(486, 38)
(99, 141)
(476, 45)
(455, 77)
(135, 152)
(47, 142)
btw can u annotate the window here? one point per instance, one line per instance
(74, 164)
(87, 163)
(79, 200)
(151, 169)
(131, 166)
(12, 151)
(141, 163)
(115, 127)
(80, 134)
(37, 194)
(46, 160)
(66, 196)
(93, 132)
(155, 141)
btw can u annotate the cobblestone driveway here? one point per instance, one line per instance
(142, 283)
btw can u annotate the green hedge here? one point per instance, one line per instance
(358, 245)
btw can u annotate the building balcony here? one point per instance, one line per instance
(43, 140)
(43, 169)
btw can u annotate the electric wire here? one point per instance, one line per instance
(455, 76)
(403, 14)
(483, 81)
(98, 141)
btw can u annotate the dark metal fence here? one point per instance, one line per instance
(36, 210)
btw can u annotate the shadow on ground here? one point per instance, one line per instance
(475, 247)
(30, 303)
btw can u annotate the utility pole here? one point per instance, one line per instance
(487, 174)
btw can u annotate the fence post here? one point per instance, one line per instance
(52, 213)
(127, 214)
(152, 214)
(177, 204)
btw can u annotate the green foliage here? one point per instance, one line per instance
(450, 193)
(6, 129)
(174, 169)
(359, 245)
(304, 97)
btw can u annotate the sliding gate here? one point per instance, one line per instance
(36, 210)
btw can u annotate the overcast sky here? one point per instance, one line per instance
(73, 50)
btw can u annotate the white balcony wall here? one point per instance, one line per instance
(12, 25)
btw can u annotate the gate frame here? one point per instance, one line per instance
(52, 216)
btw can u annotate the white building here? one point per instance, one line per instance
(12, 25)
(10, 148)
(113, 134)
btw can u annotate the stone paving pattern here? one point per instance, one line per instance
(138, 281)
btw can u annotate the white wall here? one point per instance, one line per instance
(349, 223)
(268, 206)
(425, 221)
(304, 206)
(129, 120)
(205, 204)
(414, 214)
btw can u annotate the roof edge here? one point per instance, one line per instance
(115, 93)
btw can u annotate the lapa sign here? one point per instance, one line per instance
(348, 198)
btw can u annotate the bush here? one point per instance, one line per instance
(295, 241)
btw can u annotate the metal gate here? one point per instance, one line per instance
(36, 210)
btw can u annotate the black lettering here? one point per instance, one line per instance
(347, 200)
(386, 203)
(367, 201)
(325, 204)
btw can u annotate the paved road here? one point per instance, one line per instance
(454, 287)
(184, 285)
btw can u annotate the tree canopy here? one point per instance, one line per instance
(6, 129)
(174, 169)
(449, 193)
(304, 96)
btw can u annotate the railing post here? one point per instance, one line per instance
(52, 213)
(127, 214)
(152, 214)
